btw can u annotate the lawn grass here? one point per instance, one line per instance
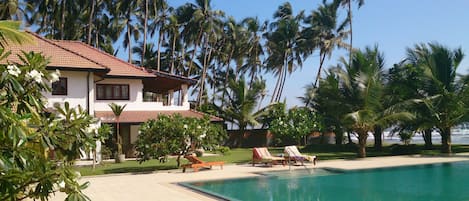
(244, 155)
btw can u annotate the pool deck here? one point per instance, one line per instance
(162, 185)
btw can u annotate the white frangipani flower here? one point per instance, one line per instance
(13, 70)
(35, 75)
(62, 184)
(185, 126)
(54, 77)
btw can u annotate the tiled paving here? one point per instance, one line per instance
(163, 185)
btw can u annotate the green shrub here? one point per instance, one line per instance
(224, 150)
(397, 149)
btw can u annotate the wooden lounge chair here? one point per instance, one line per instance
(196, 163)
(262, 155)
(292, 154)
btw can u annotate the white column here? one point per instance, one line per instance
(91, 93)
(171, 97)
(185, 97)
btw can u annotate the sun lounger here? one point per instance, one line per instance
(196, 163)
(293, 154)
(262, 155)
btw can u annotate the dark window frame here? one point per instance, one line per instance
(58, 88)
(113, 95)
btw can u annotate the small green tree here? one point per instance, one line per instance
(117, 110)
(176, 135)
(297, 124)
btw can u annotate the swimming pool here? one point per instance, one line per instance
(445, 181)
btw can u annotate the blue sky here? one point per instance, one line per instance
(393, 25)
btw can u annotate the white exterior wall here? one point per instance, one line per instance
(76, 90)
(135, 102)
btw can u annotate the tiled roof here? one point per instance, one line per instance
(117, 66)
(58, 56)
(142, 116)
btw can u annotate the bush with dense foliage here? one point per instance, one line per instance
(178, 135)
(295, 125)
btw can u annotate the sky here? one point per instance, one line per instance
(393, 25)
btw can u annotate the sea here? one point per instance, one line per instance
(459, 135)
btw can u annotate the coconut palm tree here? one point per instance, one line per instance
(284, 46)
(241, 103)
(405, 82)
(117, 110)
(207, 24)
(10, 33)
(348, 4)
(363, 91)
(445, 92)
(255, 49)
(326, 32)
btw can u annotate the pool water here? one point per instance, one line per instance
(446, 181)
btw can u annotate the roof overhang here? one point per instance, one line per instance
(143, 116)
(165, 82)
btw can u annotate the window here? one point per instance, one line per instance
(112, 92)
(60, 86)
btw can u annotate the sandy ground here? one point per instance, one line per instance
(163, 185)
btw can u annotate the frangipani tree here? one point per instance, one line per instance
(38, 146)
(176, 135)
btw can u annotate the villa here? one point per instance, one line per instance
(92, 79)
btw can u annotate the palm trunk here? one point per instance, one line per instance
(446, 140)
(351, 31)
(158, 57)
(322, 57)
(62, 23)
(378, 133)
(349, 138)
(129, 40)
(362, 136)
(173, 50)
(145, 27)
(427, 137)
(199, 38)
(279, 79)
(226, 76)
(280, 92)
(339, 136)
(90, 22)
(204, 74)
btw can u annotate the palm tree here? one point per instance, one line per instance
(405, 82)
(117, 110)
(326, 32)
(445, 92)
(284, 46)
(363, 91)
(207, 22)
(254, 47)
(124, 13)
(9, 32)
(348, 3)
(328, 100)
(241, 102)
(161, 12)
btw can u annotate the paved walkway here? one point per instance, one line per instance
(163, 185)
